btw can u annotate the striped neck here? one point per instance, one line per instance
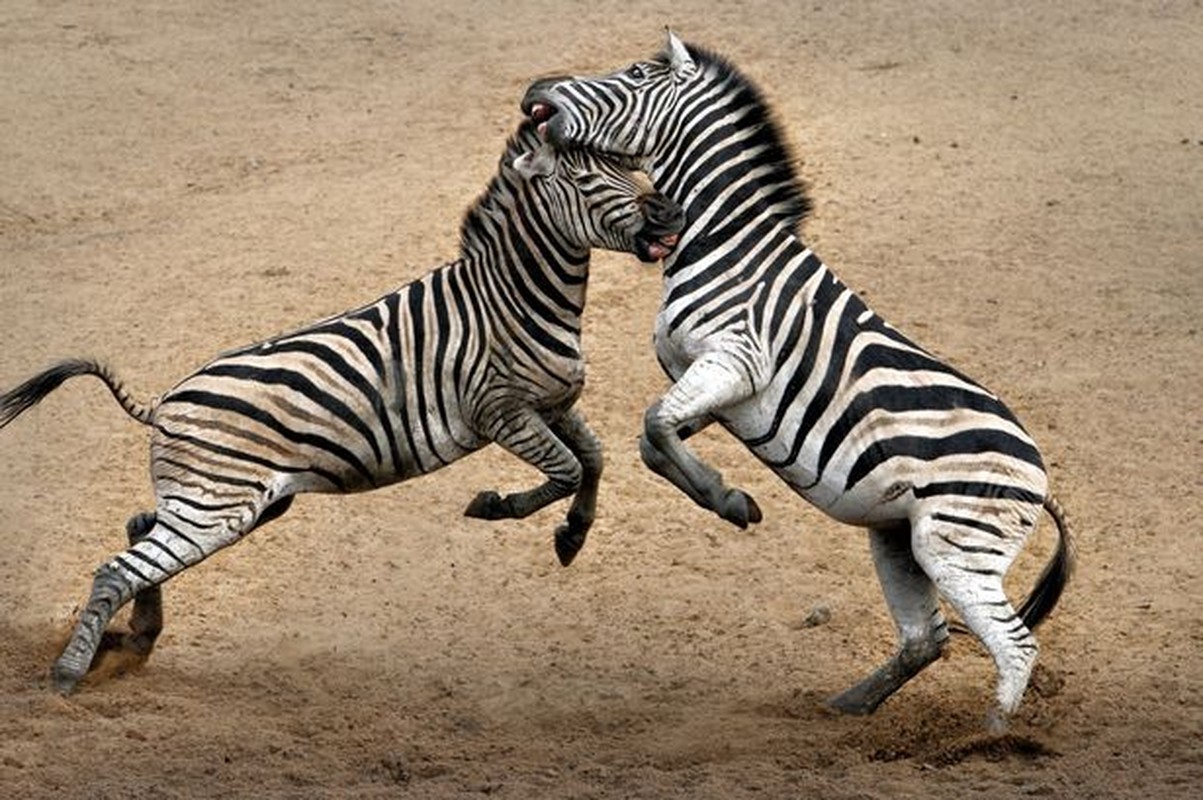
(519, 258)
(726, 160)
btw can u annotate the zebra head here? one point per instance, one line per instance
(686, 117)
(594, 202)
(628, 114)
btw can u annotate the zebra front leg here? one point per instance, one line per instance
(658, 463)
(922, 632)
(528, 436)
(710, 384)
(584, 444)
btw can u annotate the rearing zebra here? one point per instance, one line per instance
(759, 335)
(483, 349)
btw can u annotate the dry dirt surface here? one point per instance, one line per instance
(1018, 186)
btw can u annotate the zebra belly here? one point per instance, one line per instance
(876, 474)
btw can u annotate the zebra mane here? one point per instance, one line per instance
(474, 228)
(787, 189)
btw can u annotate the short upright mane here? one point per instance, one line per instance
(474, 225)
(788, 191)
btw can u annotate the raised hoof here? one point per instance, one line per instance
(740, 509)
(569, 542)
(486, 505)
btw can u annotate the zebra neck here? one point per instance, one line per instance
(515, 250)
(532, 277)
(728, 160)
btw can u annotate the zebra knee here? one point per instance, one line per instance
(657, 430)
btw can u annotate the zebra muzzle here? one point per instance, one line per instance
(537, 107)
(663, 222)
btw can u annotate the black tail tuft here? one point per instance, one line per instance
(1056, 574)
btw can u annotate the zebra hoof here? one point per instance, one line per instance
(996, 722)
(569, 541)
(64, 679)
(486, 505)
(740, 509)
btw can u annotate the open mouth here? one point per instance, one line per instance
(663, 222)
(541, 114)
(539, 106)
(650, 248)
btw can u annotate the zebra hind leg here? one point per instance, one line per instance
(913, 603)
(146, 621)
(111, 589)
(967, 557)
(154, 555)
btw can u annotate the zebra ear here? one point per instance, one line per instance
(541, 162)
(678, 55)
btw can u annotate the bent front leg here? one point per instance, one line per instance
(711, 383)
(660, 464)
(528, 436)
(584, 444)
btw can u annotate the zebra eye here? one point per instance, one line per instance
(636, 73)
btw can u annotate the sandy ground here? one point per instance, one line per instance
(1019, 186)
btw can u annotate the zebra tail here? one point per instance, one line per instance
(20, 399)
(1056, 574)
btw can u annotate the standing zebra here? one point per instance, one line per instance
(759, 335)
(483, 349)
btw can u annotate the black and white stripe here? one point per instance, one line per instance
(483, 349)
(759, 335)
